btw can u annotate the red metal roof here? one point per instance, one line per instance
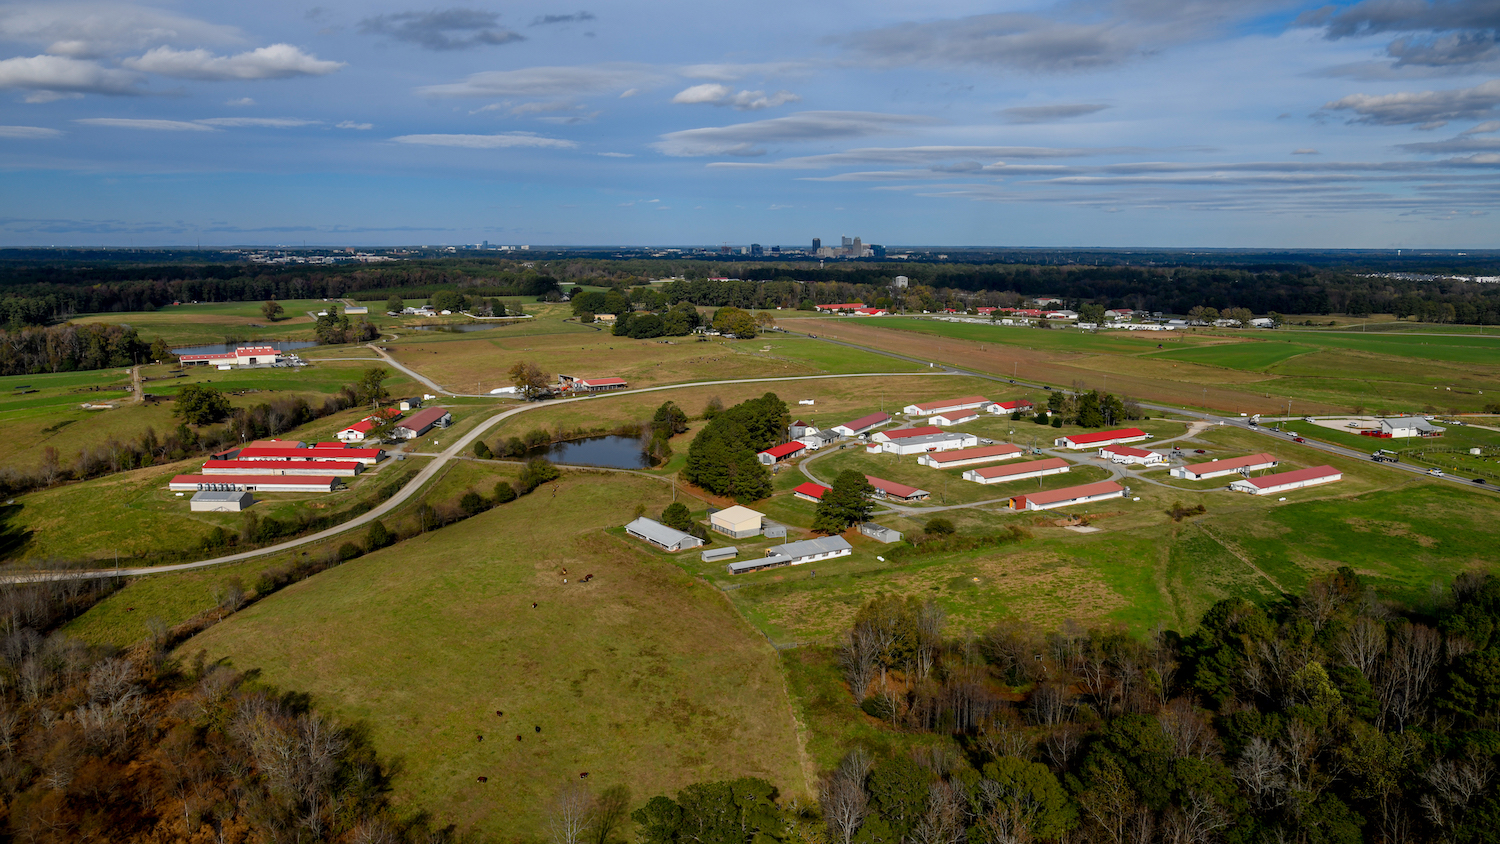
(309, 453)
(864, 422)
(891, 487)
(606, 381)
(1127, 451)
(784, 450)
(972, 453)
(1231, 463)
(847, 306)
(812, 489)
(946, 404)
(424, 419)
(1012, 405)
(1292, 477)
(903, 433)
(1020, 468)
(329, 465)
(1105, 436)
(1070, 493)
(301, 480)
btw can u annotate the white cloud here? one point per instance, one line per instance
(504, 140)
(278, 61)
(1050, 113)
(242, 101)
(629, 92)
(1426, 109)
(55, 76)
(563, 81)
(745, 139)
(931, 157)
(268, 122)
(93, 30)
(152, 125)
(618, 154)
(736, 72)
(350, 124)
(1483, 128)
(706, 93)
(28, 132)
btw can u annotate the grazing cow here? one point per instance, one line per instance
(518, 736)
(584, 775)
(539, 729)
(587, 578)
(533, 604)
(484, 779)
(481, 738)
(498, 712)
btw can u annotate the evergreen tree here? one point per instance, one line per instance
(847, 503)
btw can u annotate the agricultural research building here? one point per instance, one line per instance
(862, 425)
(947, 406)
(1131, 456)
(1410, 426)
(423, 421)
(209, 501)
(1283, 481)
(781, 452)
(336, 468)
(253, 483)
(810, 492)
(905, 433)
(1100, 439)
(320, 452)
(663, 537)
(738, 522)
(1020, 405)
(1071, 496)
(880, 533)
(924, 443)
(243, 356)
(947, 420)
(796, 553)
(602, 384)
(1220, 468)
(893, 490)
(1017, 471)
(970, 456)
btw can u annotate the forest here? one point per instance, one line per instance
(37, 291)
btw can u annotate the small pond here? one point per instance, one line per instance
(611, 452)
(457, 327)
(222, 348)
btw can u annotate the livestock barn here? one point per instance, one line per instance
(242, 356)
(862, 425)
(796, 553)
(1220, 468)
(1017, 471)
(893, 490)
(947, 420)
(1131, 456)
(772, 456)
(210, 501)
(1100, 439)
(1069, 497)
(663, 537)
(423, 421)
(253, 483)
(811, 492)
(336, 468)
(1284, 481)
(367, 456)
(946, 406)
(970, 456)
(1008, 407)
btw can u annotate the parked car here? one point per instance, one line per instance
(1199, 451)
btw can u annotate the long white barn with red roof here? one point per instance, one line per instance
(242, 356)
(1099, 439)
(1284, 481)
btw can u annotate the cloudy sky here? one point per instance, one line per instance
(1253, 123)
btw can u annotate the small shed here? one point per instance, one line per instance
(738, 522)
(713, 555)
(220, 502)
(773, 530)
(880, 534)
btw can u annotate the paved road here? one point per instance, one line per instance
(1236, 421)
(415, 484)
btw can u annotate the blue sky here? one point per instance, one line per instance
(1219, 123)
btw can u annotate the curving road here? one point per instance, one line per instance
(415, 484)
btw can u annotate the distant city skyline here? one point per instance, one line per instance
(1104, 123)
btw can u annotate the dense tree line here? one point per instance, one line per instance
(68, 348)
(721, 458)
(102, 744)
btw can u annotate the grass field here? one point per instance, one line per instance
(641, 677)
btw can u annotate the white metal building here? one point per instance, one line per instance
(922, 443)
(1410, 426)
(955, 418)
(1073, 495)
(1283, 481)
(1131, 456)
(1220, 468)
(797, 553)
(663, 537)
(947, 406)
(209, 501)
(970, 456)
(1017, 471)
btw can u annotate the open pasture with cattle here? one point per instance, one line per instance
(641, 677)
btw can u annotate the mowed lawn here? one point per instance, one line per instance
(642, 677)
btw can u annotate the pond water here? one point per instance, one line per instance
(221, 348)
(611, 452)
(457, 328)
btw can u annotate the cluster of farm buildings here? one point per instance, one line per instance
(937, 444)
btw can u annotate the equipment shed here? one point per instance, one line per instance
(220, 502)
(663, 537)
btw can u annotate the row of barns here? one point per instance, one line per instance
(227, 478)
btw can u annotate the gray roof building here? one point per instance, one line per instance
(658, 534)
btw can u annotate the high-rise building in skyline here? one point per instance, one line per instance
(817, 243)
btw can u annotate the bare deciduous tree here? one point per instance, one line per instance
(946, 818)
(858, 656)
(1259, 772)
(1362, 645)
(570, 814)
(842, 796)
(1003, 735)
(1190, 733)
(1406, 674)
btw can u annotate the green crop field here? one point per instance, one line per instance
(1254, 356)
(641, 677)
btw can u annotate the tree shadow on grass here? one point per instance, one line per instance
(14, 538)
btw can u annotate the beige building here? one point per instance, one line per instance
(738, 522)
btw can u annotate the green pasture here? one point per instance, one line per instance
(641, 677)
(1254, 356)
(1065, 339)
